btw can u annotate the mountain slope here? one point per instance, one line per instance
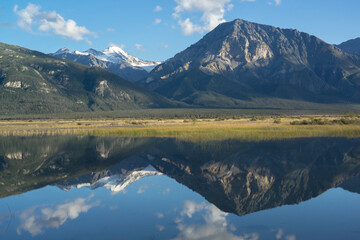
(352, 46)
(242, 64)
(32, 82)
(113, 59)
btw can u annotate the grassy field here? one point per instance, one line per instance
(247, 128)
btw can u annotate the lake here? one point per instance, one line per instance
(69, 187)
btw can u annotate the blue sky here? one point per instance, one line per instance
(158, 29)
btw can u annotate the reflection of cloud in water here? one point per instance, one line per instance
(142, 189)
(34, 221)
(290, 237)
(160, 228)
(215, 227)
(159, 215)
(114, 207)
(280, 234)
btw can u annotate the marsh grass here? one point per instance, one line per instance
(192, 129)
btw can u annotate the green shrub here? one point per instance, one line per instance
(277, 121)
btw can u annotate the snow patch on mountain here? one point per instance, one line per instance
(114, 54)
(116, 183)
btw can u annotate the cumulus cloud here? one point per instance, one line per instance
(111, 30)
(157, 8)
(47, 22)
(122, 46)
(157, 21)
(141, 48)
(166, 46)
(213, 12)
(275, 2)
(34, 220)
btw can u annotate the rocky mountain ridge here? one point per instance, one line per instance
(33, 82)
(240, 62)
(351, 46)
(114, 59)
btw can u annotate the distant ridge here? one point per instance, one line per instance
(352, 46)
(114, 59)
(33, 82)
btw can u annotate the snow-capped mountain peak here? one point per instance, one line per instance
(82, 53)
(115, 49)
(118, 55)
(113, 54)
(63, 50)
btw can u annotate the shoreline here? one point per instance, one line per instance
(247, 128)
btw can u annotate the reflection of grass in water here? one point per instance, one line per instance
(265, 128)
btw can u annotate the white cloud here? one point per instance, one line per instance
(122, 46)
(34, 222)
(157, 21)
(157, 8)
(111, 30)
(140, 48)
(247, 0)
(275, 2)
(166, 46)
(50, 22)
(213, 12)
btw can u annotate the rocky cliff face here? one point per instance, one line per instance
(241, 60)
(352, 46)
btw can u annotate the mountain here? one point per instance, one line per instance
(114, 59)
(244, 64)
(32, 82)
(352, 46)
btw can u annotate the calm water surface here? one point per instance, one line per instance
(146, 188)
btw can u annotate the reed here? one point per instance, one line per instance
(193, 130)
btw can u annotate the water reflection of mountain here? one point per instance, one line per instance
(243, 177)
(34, 162)
(238, 177)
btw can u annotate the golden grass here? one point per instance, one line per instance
(266, 128)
